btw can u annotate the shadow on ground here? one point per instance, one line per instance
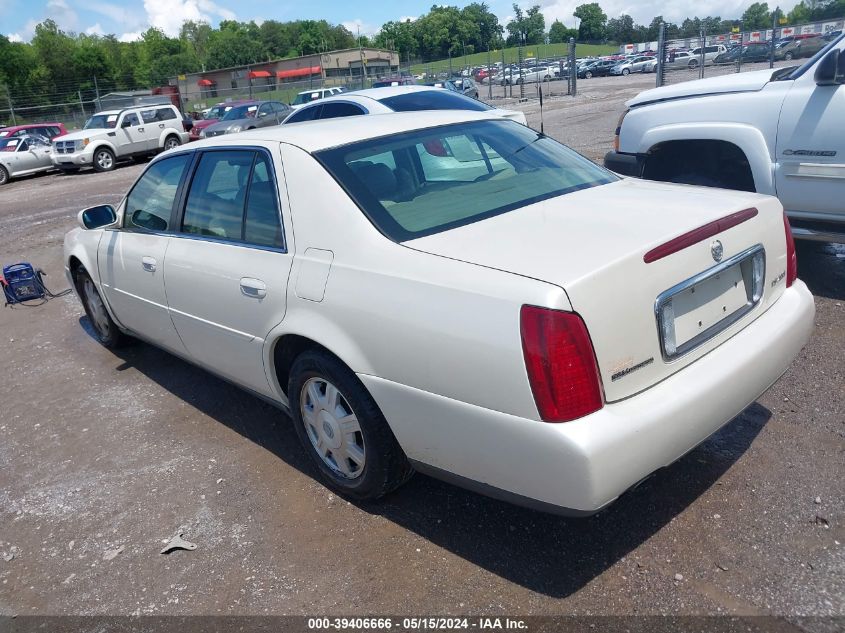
(552, 555)
(822, 268)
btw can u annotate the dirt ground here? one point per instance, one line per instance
(104, 457)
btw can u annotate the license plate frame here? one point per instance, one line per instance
(718, 282)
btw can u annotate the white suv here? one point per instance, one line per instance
(114, 135)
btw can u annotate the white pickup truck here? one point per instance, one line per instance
(779, 132)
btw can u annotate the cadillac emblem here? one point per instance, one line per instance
(716, 250)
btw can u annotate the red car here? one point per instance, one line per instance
(47, 130)
(481, 75)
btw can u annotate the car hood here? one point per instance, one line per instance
(223, 125)
(82, 134)
(204, 123)
(738, 82)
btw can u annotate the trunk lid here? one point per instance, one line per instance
(592, 244)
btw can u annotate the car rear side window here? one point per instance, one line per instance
(262, 224)
(305, 114)
(337, 110)
(233, 197)
(453, 175)
(433, 100)
(150, 203)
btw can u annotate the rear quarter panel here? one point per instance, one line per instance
(432, 323)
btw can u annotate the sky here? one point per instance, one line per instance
(129, 18)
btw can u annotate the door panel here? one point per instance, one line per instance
(132, 279)
(226, 295)
(131, 139)
(224, 299)
(810, 170)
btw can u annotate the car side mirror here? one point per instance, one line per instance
(148, 221)
(831, 69)
(126, 123)
(96, 217)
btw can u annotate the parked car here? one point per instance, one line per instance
(395, 81)
(599, 68)
(249, 116)
(467, 86)
(481, 75)
(749, 53)
(23, 154)
(775, 132)
(679, 59)
(114, 135)
(711, 52)
(307, 96)
(396, 99)
(801, 48)
(461, 296)
(446, 83)
(212, 116)
(632, 65)
(47, 130)
(536, 74)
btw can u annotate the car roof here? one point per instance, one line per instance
(313, 136)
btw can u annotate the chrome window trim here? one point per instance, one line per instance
(752, 302)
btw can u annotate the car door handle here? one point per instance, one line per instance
(149, 264)
(253, 287)
(140, 129)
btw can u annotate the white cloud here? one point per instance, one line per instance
(131, 37)
(168, 15)
(62, 14)
(409, 18)
(95, 29)
(358, 25)
(124, 17)
(644, 10)
(15, 37)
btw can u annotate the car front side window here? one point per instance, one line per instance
(150, 203)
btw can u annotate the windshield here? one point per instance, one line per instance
(306, 97)
(240, 112)
(101, 121)
(809, 63)
(423, 182)
(217, 111)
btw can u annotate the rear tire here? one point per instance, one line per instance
(105, 329)
(171, 142)
(4, 175)
(342, 429)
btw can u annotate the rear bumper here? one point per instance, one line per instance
(580, 467)
(625, 164)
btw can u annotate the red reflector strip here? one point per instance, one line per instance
(698, 235)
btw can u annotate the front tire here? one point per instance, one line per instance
(625, 72)
(588, 75)
(103, 159)
(105, 329)
(342, 429)
(788, 57)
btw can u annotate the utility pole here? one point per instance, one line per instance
(775, 16)
(249, 79)
(81, 104)
(11, 108)
(97, 91)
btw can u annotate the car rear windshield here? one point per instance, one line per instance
(423, 182)
(433, 100)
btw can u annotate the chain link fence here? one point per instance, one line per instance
(685, 59)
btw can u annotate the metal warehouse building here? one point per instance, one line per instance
(341, 65)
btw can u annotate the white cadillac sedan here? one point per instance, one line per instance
(453, 293)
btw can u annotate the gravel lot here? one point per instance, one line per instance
(104, 457)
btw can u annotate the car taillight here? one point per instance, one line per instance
(791, 257)
(561, 364)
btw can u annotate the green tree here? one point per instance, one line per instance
(757, 16)
(558, 33)
(195, 36)
(621, 29)
(593, 22)
(489, 29)
(527, 27)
